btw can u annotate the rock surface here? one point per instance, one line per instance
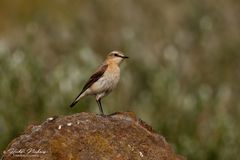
(87, 136)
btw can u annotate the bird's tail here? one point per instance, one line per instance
(76, 100)
(73, 103)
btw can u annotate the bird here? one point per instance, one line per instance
(103, 80)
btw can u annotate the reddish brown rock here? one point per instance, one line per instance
(86, 136)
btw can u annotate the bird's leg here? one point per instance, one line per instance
(100, 107)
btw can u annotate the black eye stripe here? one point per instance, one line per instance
(117, 55)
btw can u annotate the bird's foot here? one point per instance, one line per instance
(102, 115)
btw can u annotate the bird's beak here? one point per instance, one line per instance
(125, 57)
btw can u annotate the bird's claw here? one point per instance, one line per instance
(102, 115)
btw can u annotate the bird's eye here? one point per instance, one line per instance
(116, 54)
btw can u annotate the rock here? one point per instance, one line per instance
(86, 136)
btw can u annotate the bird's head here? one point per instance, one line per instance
(115, 57)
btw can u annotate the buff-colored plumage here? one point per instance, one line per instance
(104, 80)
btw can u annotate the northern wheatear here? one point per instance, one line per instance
(104, 80)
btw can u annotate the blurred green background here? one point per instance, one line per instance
(183, 76)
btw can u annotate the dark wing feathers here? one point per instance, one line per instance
(96, 76)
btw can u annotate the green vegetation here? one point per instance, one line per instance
(183, 76)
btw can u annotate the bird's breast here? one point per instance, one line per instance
(112, 77)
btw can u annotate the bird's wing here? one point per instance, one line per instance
(96, 76)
